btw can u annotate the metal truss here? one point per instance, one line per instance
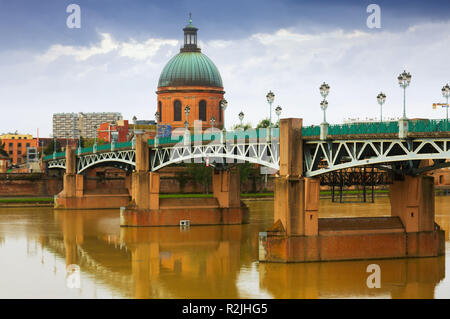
(263, 153)
(85, 161)
(57, 163)
(365, 176)
(322, 157)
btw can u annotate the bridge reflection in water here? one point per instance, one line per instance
(216, 261)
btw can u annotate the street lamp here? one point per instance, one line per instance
(278, 113)
(446, 94)
(404, 79)
(54, 147)
(270, 98)
(381, 98)
(157, 131)
(324, 90)
(187, 109)
(224, 105)
(324, 106)
(241, 118)
(94, 149)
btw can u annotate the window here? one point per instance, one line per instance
(11, 145)
(160, 110)
(28, 144)
(10, 152)
(19, 144)
(19, 152)
(202, 110)
(177, 110)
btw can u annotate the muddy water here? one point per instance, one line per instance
(38, 245)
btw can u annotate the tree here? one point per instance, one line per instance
(200, 174)
(89, 142)
(243, 126)
(2, 149)
(51, 147)
(263, 124)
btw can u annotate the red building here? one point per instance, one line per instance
(118, 131)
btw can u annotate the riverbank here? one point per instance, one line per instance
(24, 201)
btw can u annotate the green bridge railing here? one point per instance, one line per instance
(414, 126)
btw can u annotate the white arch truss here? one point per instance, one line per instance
(86, 161)
(263, 153)
(326, 156)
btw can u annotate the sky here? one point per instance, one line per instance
(113, 61)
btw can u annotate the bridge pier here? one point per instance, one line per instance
(75, 196)
(147, 209)
(298, 235)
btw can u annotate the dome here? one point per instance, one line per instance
(190, 68)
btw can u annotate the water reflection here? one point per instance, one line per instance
(199, 262)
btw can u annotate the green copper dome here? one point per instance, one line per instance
(190, 69)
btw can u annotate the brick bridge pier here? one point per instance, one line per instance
(299, 235)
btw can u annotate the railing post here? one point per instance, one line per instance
(113, 146)
(403, 128)
(323, 131)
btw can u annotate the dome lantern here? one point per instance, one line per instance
(190, 38)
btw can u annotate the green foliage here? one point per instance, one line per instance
(182, 177)
(89, 142)
(200, 174)
(264, 123)
(245, 170)
(2, 150)
(51, 147)
(243, 126)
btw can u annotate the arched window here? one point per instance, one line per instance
(160, 111)
(202, 110)
(220, 111)
(177, 110)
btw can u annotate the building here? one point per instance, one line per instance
(4, 163)
(72, 125)
(190, 79)
(118, 131)
(17, 146)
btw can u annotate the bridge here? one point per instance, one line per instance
(300, 155)
(346, 146)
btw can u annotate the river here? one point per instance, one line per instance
(37, 245)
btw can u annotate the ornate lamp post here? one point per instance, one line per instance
(224, 105)
(241, 118)
(212, 121)
(381, 98)
(278, 113)
(94, 148)
(133, 141)
(404, 79)
(324, 90)
(187, 109)
(446, 94)
(270, 98)
(54, 147)
(157, 129)
(79, 142)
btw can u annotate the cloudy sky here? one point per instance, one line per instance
(113, 62)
